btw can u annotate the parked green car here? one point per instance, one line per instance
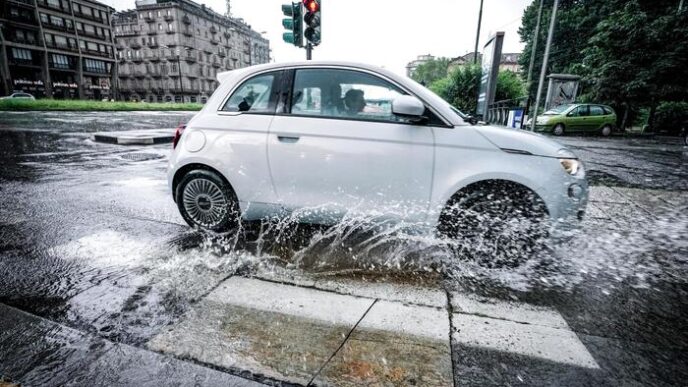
(577, 118)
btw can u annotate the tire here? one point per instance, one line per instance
(500, 224)
(207, 202)
(558, 130)
(606, 130)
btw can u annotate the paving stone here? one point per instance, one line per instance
(507, 310)
(542, 342)
(277, 331)
(394, 344)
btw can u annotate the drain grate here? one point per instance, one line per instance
(141, 156)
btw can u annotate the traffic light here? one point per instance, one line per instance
(292, 23)
(312, 20)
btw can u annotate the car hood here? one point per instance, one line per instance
(520, 141)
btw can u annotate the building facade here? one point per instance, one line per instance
(172, 50)
(508, 62)
(413, 65)
(57, 48)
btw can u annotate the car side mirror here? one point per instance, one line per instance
(408, 106)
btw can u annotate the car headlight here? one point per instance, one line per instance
(571, 166)
(570, 162)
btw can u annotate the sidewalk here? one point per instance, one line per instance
(349, 333)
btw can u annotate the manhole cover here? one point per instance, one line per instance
(141, 156)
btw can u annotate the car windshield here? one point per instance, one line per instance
(558, 110)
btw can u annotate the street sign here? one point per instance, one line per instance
(492, 54)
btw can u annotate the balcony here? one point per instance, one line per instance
(139, 74)
(222, 54)
(190, 58)
(92, 34)
(186, 20)
(169, 31)
(131, 32)
(62, 46)
(153, 44)
(169, 18)
(152, 32)
(26, 3)
(30, 42)
(137, 59)
(96, 52)
(153, 58)
(149, 19)
(213, 30)
(188, 33)
(61, 67)
(214, 41)
(59, 27)
(135, 45)
(90, 17)
(216, 64)
(45, 4)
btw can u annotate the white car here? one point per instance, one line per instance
(303, 138)
(19, 96)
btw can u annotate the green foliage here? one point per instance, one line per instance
(509, 86)
(430, 71)
(630, 53)
(80, 105)
(462, 85)
(460, 88)
(671, 117)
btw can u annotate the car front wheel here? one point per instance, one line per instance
(207, 202)
(498, 224)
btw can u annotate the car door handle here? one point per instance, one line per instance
(288, 139)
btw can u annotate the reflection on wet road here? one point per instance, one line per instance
(102, 283)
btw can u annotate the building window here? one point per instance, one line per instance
(169, 26)
(159, 27)
(20, 53)
(95, 66)
(60, 61)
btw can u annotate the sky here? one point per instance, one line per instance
(387, 33)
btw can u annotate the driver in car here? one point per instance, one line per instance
(354, 102)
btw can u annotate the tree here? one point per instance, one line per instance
(461, 87)
(630, 53)
(431, 71)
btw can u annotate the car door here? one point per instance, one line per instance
(576, 118)
(339, 149)
(597, 118)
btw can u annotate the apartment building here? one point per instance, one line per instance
(57, 48)
(172, 50)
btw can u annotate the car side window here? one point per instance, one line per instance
(345, 94)
(574, 113)
(254, 95)
(596, 111)
(583, 111)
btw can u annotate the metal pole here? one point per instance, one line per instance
(536, 37)
(309, 51)
(680, 6)
(543, 71)
(477, 35)
(179, 67)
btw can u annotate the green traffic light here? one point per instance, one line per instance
(288, 37)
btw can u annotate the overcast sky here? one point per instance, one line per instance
(387, 33)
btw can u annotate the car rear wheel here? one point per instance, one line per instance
(558, 130)
(606, 130)
(498, 224)
(207, 202)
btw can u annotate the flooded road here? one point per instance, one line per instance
(102, 282)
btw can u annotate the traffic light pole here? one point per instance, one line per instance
(309, 51)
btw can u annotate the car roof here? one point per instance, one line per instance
(444, 109)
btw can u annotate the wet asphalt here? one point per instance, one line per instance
(95, 262)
